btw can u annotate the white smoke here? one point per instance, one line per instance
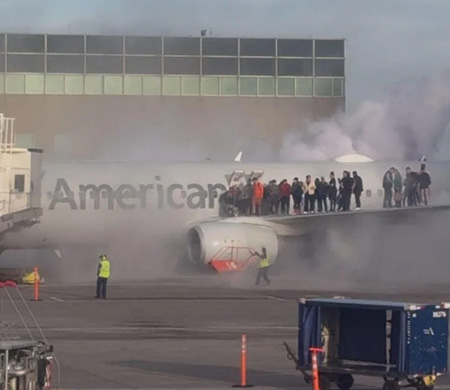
(409, 123)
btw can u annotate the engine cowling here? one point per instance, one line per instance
(208, 239)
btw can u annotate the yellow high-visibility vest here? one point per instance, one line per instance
(263, 263)
(104, 269)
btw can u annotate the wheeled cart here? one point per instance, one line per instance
(405, 344)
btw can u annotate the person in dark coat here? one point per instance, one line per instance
(247, 195)
(388, 184)
(332, 191)
(410, 184)
(424, 184)
(357, 189)
(322, 195)
(297, 194)
(347, 186)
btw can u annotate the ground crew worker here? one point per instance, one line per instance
(263, 267)
(103, 272)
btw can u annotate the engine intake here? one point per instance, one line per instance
(206, 240)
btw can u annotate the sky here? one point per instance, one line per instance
(390, 43)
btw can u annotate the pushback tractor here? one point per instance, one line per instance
(404, 344)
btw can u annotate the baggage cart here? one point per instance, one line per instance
(405, 344)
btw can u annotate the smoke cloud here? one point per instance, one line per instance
(409, 123)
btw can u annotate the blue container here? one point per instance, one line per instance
(389, 339)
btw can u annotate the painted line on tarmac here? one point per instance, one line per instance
(56, 299)
(169, 328)
(275, 298)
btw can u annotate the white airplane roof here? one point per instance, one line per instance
(353, 158)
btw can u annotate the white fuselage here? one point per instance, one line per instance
(97, 203)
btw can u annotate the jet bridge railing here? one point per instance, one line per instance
(13, 201)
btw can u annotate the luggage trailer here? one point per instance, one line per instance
(405, 344)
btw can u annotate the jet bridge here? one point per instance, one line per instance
(20, 181)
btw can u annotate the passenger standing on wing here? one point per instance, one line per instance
(357, 189)
(229, 202)
(103, 272)
(239, 200)
(408, 183)
(285, 197)
(424, 184)
(332, 191)
(388, 183)
(339, 199)
(263, 267)
(247, 195)
(258, 193)
(223, 204)
(316, 194)
(323, 193)
(398, 185)
(347, 186)
(273, 196)
(297, 194)
(309, 190)
(416, 193)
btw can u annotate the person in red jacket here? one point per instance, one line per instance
(285, 197)
(258, 193)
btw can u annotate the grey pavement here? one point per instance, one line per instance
(183, 332)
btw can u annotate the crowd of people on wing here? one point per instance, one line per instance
(413, 190)
(309, 196)
(320, 195)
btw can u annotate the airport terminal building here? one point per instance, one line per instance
(77, 96)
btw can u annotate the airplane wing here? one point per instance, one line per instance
(307, 223)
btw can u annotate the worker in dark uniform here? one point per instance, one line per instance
(263, 266)
(357, 189)
(347, 186)
(103, 272)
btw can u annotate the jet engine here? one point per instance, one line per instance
(214, 240)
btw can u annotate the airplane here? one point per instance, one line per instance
(138, 203)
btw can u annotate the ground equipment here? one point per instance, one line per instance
(26, 356)
(405, 344)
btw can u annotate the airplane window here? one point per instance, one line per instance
(368, 193)
(19, 183)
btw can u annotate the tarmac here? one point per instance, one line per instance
(184, 332)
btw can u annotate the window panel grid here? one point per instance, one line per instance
(104, 84)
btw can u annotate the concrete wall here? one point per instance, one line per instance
(128, 127)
